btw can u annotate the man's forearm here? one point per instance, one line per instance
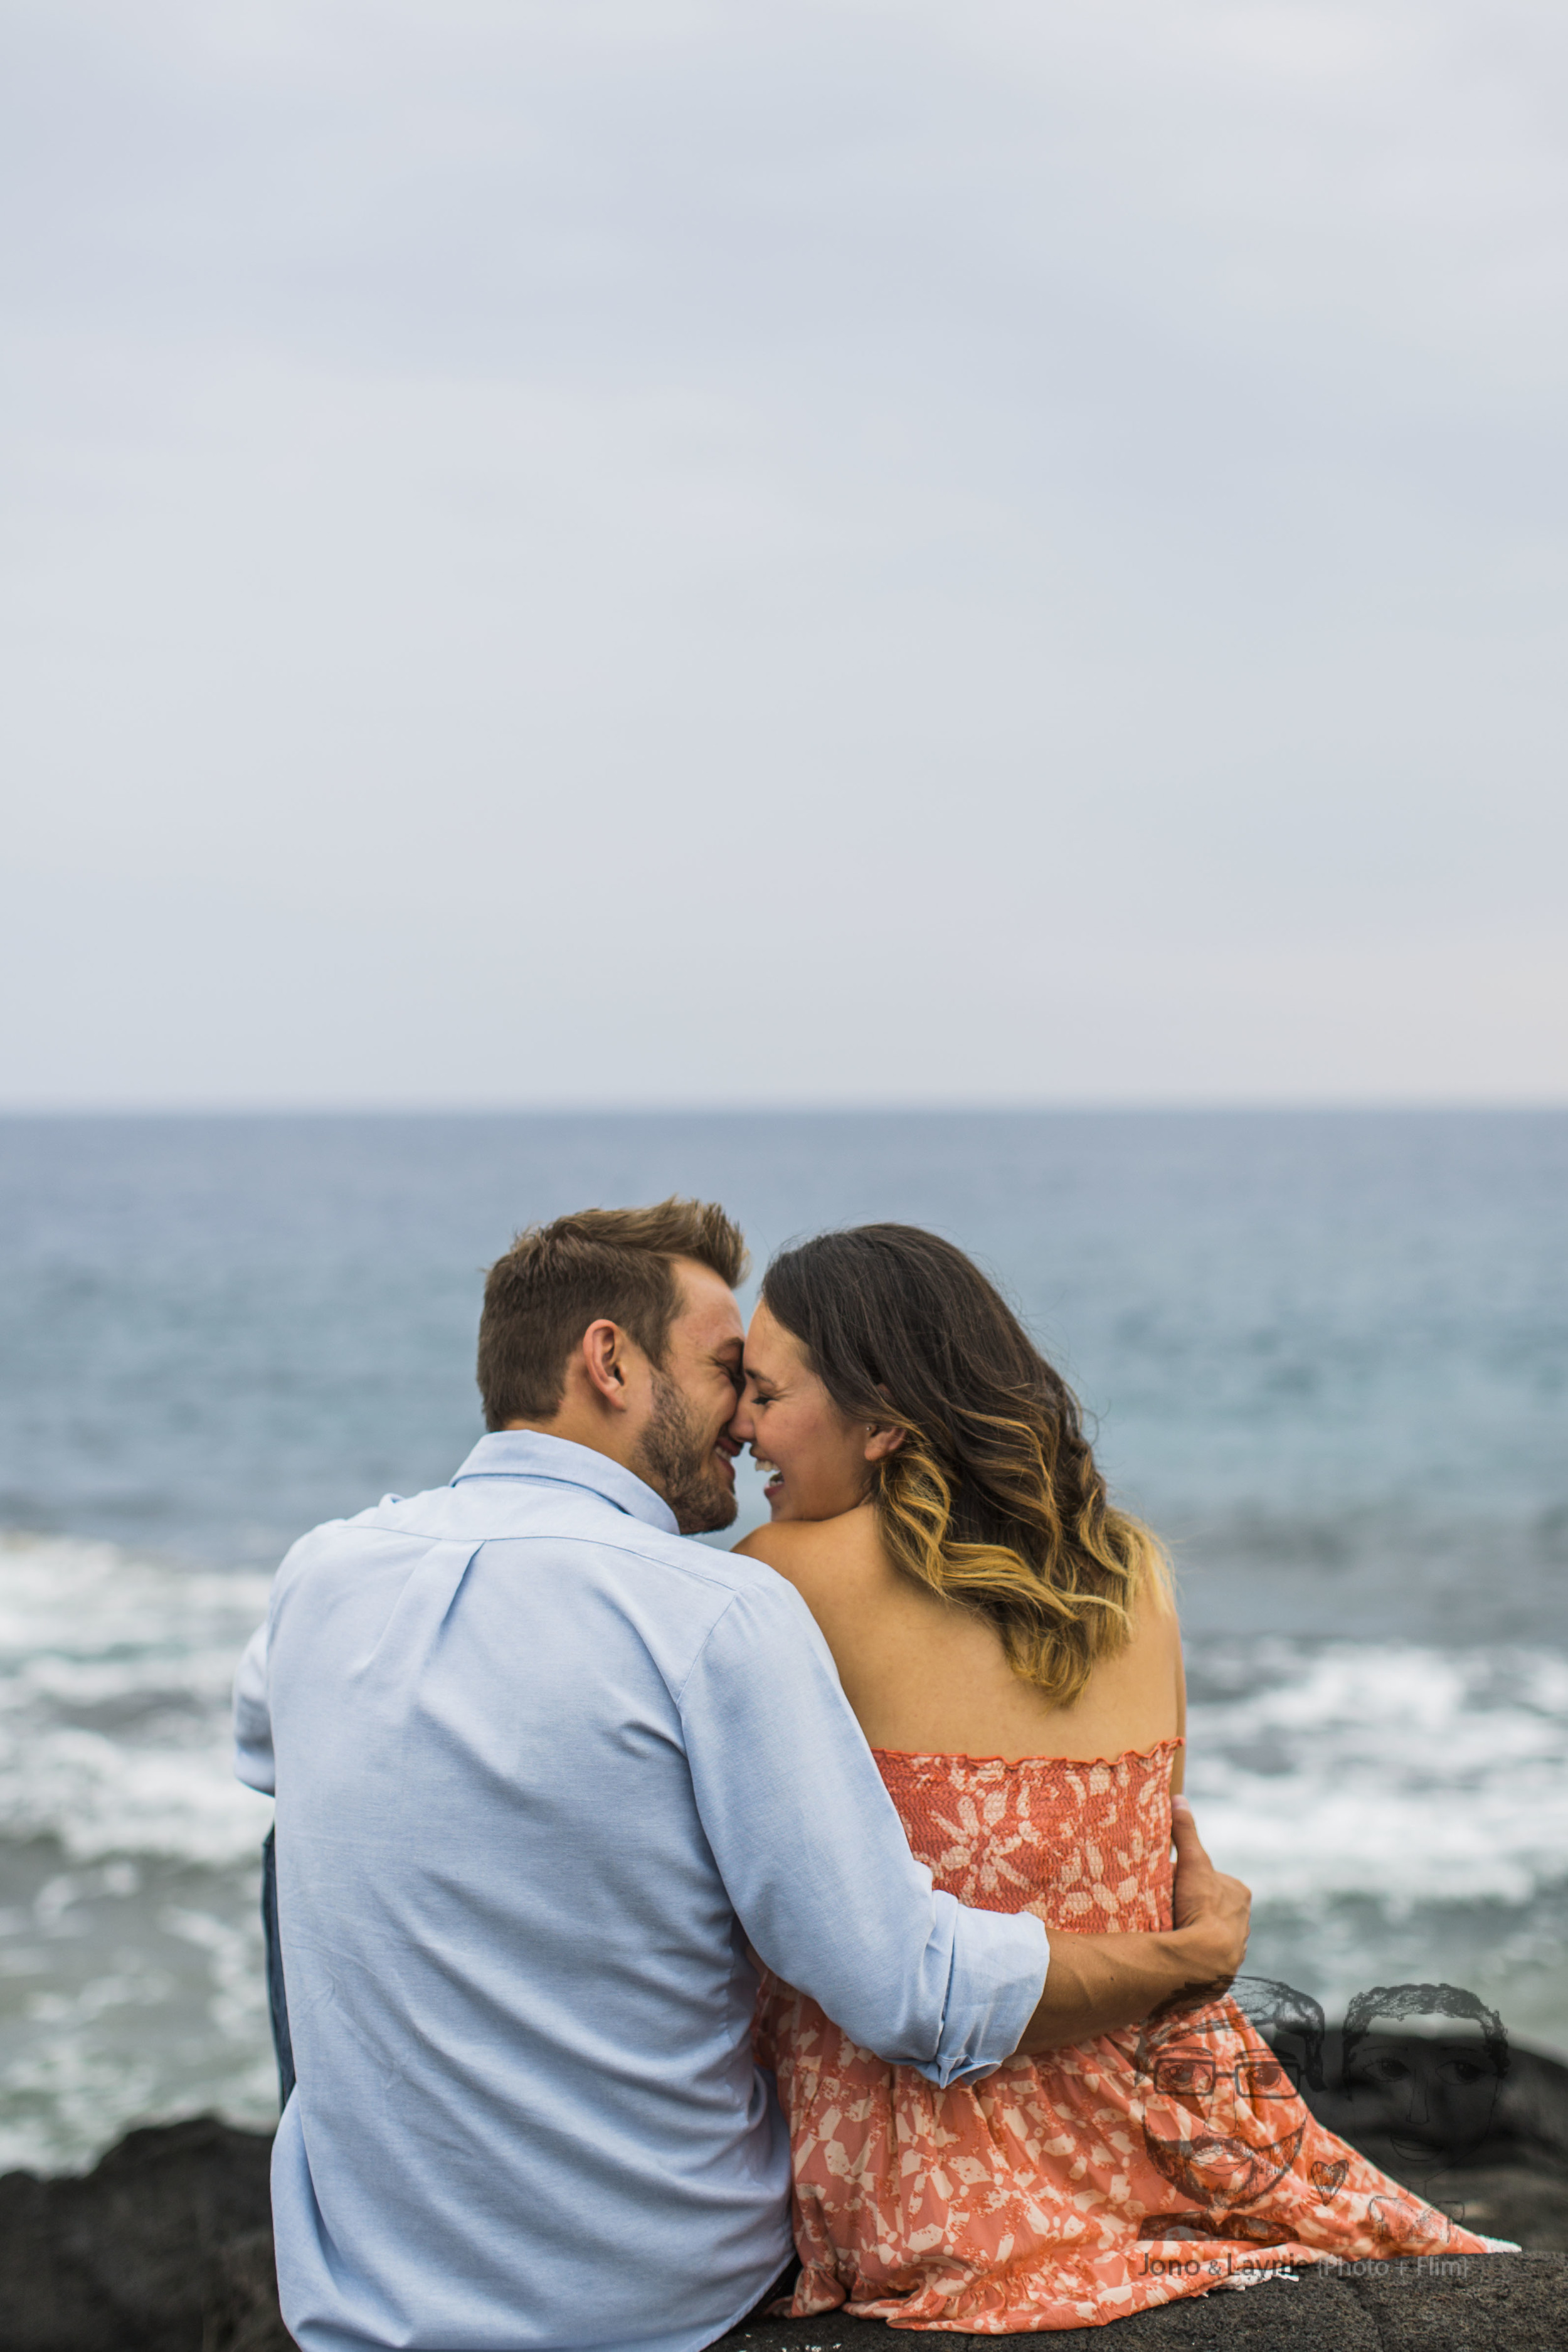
(1096, 1984)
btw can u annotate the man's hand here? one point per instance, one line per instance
(1096, 1984)
(1214, 1908)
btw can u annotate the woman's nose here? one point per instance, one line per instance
(742, 1428)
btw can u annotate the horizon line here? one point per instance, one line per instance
(1194, 1105)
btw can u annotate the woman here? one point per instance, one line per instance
(1008, 1641)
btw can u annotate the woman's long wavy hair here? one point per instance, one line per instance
(993, 1498)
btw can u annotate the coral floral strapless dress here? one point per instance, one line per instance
(1066, 2190)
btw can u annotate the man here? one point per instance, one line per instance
(545, 1769)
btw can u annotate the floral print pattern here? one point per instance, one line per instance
(1066, 2190)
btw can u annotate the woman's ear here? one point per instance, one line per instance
(882, 1437)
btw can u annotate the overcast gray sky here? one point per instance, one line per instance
(704, 550)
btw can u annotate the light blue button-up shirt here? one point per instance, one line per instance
(543, 1769)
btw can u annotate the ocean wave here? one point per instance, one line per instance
(1365, 1791)
(1390, 1771)
(114, 1690)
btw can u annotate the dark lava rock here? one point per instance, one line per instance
(137, 2256)
(1511, 2201)
(1526, 2120)
(167, 2247)
(1518, 2303)
(241, 2312)
(1511, 2183)
(1315, 2314)
(1489, 2303)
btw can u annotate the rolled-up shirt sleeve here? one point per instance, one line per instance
(814, 1858)
(253, 1761)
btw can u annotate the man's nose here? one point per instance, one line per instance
(1418, 2103)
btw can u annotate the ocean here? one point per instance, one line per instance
(1326, 1354)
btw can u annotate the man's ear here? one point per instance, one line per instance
(604, 1358)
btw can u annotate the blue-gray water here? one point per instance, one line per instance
(1328, 1355)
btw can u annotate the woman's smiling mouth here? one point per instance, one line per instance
(772, 1475)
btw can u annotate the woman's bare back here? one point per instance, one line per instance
(929, 1677)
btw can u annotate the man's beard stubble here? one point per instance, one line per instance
(679, 1464)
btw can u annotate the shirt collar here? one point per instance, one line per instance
(529, 1454)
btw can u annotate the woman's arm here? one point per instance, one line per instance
(1179, 1765)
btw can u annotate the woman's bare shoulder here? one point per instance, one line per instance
(1156, 1628)
(1152, 1661)
(1155, 1608)
(808, 1551)
(1145, 1665)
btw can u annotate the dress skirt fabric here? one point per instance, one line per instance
(1067, 2190)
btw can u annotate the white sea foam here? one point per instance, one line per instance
(114, 1686)
(1394, 1772)
(1354, 1786)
